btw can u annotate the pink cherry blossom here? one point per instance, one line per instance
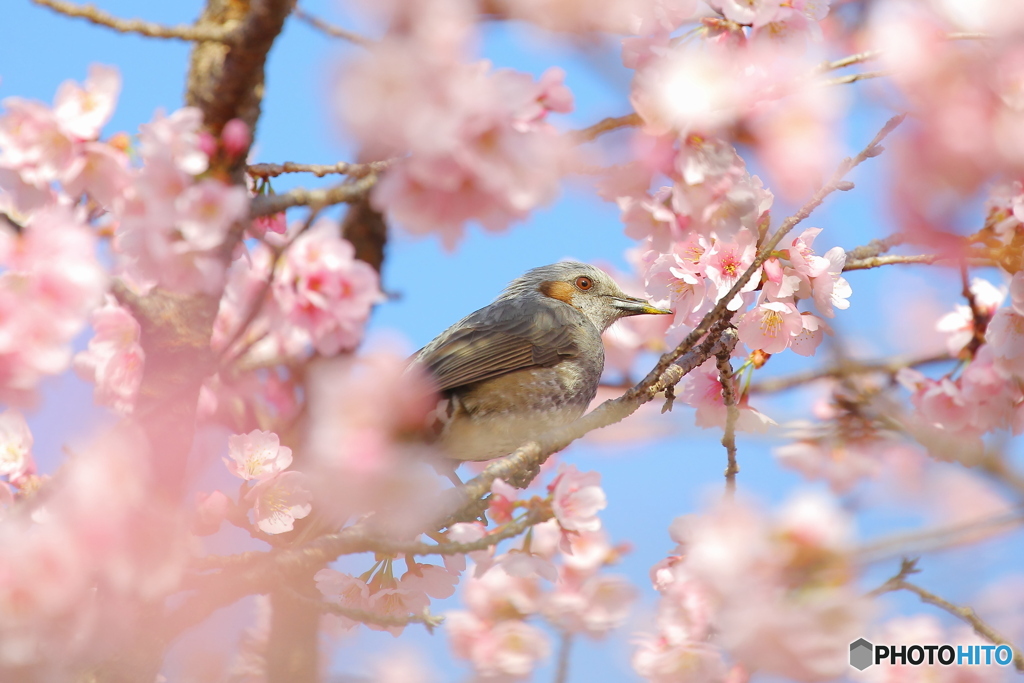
(211, 510)
(496, 594)
(728, 260)
(398, 601)
(257, 456)
(660, 660)
(175, 139)
(466, 532)
(770, 326)
(33, 143)
(115, 359)
(278, 501)
(703, 391)
(830, 290)
(813, 332)
(577, 498)
(480, 149)
(83, 111)
(15, 445)
(206, 212)
(437, 582)
(100, 171)
(1005, 335)
(344, 590)
(598, 605)
(324, 290)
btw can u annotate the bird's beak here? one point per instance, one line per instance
(633, 306)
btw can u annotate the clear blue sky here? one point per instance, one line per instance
(647, 484)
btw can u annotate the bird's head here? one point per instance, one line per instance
(584, 287)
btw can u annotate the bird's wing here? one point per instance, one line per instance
(501, 338)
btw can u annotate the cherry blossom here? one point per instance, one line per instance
(770, 326)
(83, 111)
(114, 359)
(577, 498)
(280, 500)
(257, 456)
(321, 288)
(15, 445)
(703, 391)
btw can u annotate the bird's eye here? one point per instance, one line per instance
(584, 283)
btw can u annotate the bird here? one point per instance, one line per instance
(528, 362)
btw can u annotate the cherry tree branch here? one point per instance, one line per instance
(964, 613)
(431, 621)
(732, 414)
(319, 170)
(853, 78)
(844, 368)
(938, 538)
(606, 125)
(218, 34)
(564, 651)
(267, 204)
(330, 29)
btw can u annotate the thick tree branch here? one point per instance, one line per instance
(220, 34)
(268, 204)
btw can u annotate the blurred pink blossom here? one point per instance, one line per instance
(15, 445)
(83, 111)
(114, 360)
(577, 498)
(323, 290)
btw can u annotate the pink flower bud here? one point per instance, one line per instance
(235, 137)
(207, 144)
(211, 510)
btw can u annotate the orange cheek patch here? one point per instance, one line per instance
(562, 291)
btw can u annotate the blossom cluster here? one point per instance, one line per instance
(952, 413)
(505, 591)
(478, 144)
(81, 559)
(775, 594)
(59, 185)
(276, 497)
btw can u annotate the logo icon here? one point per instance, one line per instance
(861, 652)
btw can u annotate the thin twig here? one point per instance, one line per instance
(331, 29)
(879, 261)
(978, 316)
(938, 538)
(319, 170)
(876, 247)
(267, 204)
(732, 414)
(330, 546)
(843, 369)
(964, 613)
(605, 126)
(431, 621)
(869, 55)
(853, 78)
(218, 34)
(564, 650)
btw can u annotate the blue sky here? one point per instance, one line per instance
(647, 484)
